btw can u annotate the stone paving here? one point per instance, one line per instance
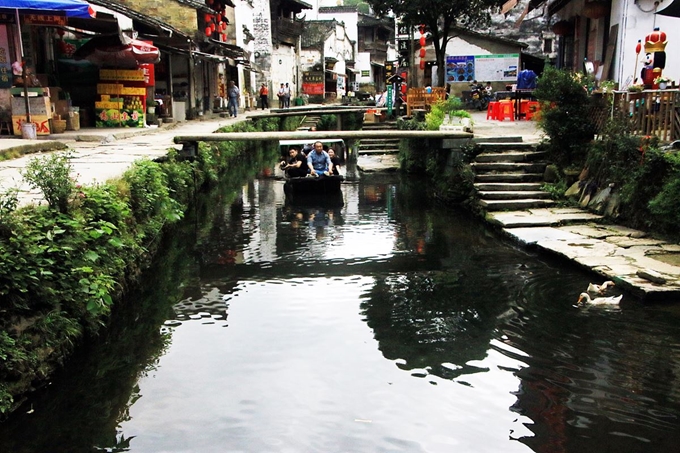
(641, 265)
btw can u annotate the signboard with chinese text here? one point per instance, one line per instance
(495, 68)
(313, 83)
(5, 63)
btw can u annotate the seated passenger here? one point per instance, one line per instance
(295, 167)
(335, 160)
(319, 162)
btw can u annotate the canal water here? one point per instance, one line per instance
(386, 324)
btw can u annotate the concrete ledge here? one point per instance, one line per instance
(21, 147)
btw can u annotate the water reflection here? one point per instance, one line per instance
(382, 324)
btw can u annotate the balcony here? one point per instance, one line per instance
(286, 30)
(375, 46)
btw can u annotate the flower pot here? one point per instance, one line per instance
(663, 85)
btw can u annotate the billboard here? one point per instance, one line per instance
(483, 68)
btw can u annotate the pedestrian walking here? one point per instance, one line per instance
(281, 95)
(264, 96)
(286, 97)
(234, 95)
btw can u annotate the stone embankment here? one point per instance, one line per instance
(640, 264)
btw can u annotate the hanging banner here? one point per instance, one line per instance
(5, 63)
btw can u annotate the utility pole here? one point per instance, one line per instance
(411, 58)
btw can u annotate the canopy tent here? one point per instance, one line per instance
(68, 8)
(117, 51)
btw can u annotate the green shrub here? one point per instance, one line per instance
(565, 115)
(149, 193)
(327, 123)
(51, 174)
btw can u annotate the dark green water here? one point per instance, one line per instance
(384, 325)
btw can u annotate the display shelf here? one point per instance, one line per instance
(122, 100)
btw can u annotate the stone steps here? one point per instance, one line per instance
(517, 204)
(509, 176)
(513, 194)
(509, 167)
(378, 146)
(502, 186)
(309, 122)
(511, 156)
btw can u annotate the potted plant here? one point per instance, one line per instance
(150, 106)
(635, 88)
(662, 82)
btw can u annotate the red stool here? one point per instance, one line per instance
(506, 110)
(532, 109)
(492, 110)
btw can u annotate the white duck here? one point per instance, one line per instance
(584, 299)
(600, 290)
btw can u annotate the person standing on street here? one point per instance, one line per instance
(281, 94)
(286, 97)
(264, 96)
(234, 94)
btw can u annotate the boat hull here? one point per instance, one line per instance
(314, 189)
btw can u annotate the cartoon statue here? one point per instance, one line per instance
(655, 58)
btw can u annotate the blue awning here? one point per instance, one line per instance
(69, 8)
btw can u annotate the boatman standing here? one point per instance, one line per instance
(319, 162)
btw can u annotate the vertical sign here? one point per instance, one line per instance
(5, 63)
(390, 96)
(389, 72)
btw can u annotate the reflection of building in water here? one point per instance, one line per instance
(207, 309)
(262, 197)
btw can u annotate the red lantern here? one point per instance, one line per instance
(208, 31)
(421, 28)
(224, 37)
(422, 64)
(207, 18)
(422, 40)
(218, 17)
(562, 28)
(213, 27)
(595, 9)
(223, 26)
(422, 52)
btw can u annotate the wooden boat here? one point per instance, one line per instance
(322, 190)
(311, 185)
(313, 189)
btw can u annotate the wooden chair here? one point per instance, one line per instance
(415, 99)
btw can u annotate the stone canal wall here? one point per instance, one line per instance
(66, 265)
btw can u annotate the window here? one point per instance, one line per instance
(547, 45)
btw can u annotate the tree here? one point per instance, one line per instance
(439, 18)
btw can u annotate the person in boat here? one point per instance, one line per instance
(335, 160)
(296, 166)
(319, 162)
